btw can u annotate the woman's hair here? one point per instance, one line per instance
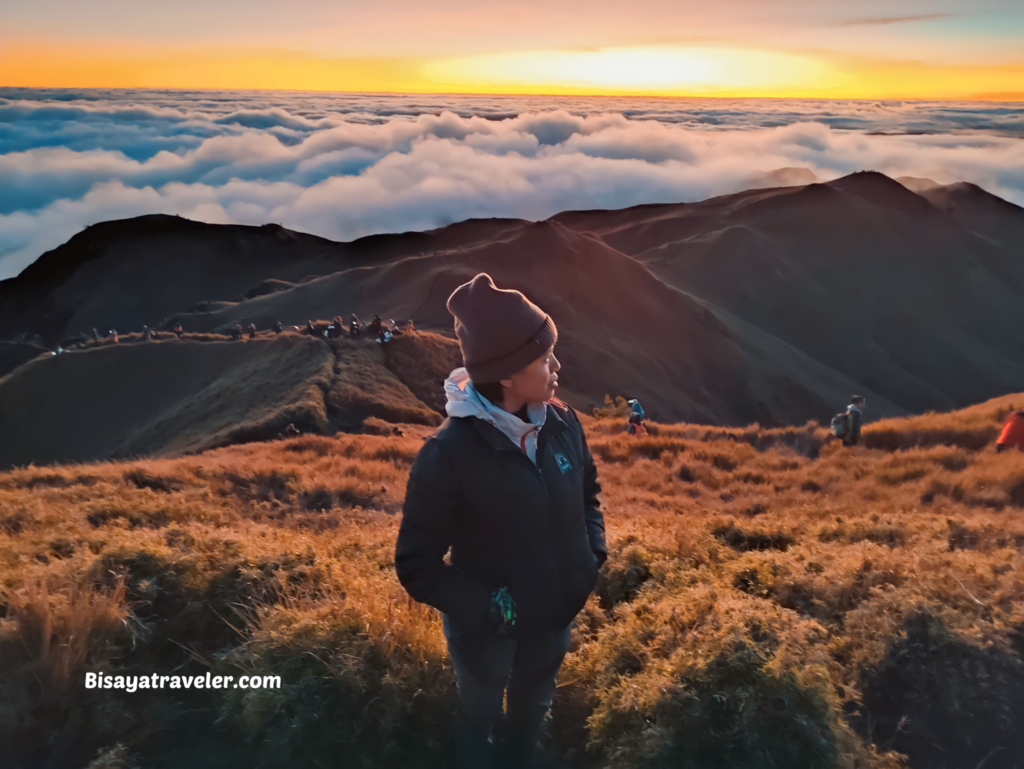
(492, 391)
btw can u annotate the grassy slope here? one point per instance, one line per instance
(168, 396)
(171, 397)
(770, 599)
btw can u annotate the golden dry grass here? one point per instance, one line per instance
(765, 591)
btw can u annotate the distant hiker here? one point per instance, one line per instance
(846, 424)
(310, 328)
(252, 330)
(236, 332)
(375, 325)
(112, 336)
(635, 424)
(508, 478)
(278, 327)
(95, 334)
(177, 330)
(290, 431)
(353, 326)
(146, 334)
(1012, 436)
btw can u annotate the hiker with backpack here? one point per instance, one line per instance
(635, 425)
(846, 424)
(509, 484)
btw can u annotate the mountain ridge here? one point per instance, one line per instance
(770, 305)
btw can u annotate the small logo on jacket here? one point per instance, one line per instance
(563, 463)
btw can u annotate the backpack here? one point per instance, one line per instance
(840, 425)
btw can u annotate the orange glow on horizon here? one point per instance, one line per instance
(653, 71)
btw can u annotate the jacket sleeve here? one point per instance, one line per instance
(591, 504)
(426, 533)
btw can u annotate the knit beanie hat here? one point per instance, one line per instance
(500, 330)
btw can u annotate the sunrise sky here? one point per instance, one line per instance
(789, 48)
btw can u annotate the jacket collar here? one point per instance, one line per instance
(553, 425)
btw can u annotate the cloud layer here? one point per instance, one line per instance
(347, 165)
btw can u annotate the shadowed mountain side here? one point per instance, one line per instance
(991, 218)
(123, 274)
(161, 398)
(861, 274)
(621, 330)
(793, 387)
(13, 354)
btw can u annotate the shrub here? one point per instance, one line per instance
(617, 409)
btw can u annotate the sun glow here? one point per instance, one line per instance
(733, 72)
(694, 70)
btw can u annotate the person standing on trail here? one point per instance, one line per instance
(508, 483)
(854, 417)
(336, 328)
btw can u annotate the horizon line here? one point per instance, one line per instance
(997, 96)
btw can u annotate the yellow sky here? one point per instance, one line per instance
(661, 70)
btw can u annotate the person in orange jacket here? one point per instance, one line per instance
(1012, 435)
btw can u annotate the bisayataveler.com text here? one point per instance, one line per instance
(157, 681)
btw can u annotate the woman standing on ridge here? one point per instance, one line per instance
(509, 484)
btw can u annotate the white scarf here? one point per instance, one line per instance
(465, 401)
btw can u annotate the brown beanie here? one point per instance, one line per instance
(500, 331)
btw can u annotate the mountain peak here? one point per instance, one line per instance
(880, 190)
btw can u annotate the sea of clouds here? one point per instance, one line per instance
(347, 165)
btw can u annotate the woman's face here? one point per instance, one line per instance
(537, 382)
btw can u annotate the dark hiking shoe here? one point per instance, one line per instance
(471, 746)
(514, 751)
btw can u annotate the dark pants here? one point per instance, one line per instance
(484, 665)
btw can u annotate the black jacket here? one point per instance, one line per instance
(852, 436)
(536, 528)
